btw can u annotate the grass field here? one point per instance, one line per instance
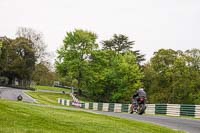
(18, 117)
(38, 87)
(48, 98)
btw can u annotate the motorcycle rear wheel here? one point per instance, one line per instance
(141, 109)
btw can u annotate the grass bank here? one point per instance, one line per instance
(38, 87)
(48, 98)
(24, 118)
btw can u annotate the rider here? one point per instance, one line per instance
(139, 93)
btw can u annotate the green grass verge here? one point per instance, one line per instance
(18, 117)
(48, 98)
(38, 87)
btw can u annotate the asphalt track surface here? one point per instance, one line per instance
(188, 125)
(12, 94)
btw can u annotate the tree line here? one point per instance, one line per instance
(173, 76)
(112, 70)
(108, 71)
(22, 59)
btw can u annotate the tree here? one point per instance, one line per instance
(171, 77)
(72, 58)
(112, 78)
(37, 41)
(108, 75)
(193, 58)
(5, 50)
(23, 64)
(98, 86)
(42, 75)
(1, 45)
(118, 43)
(121, 44)
(158, 75)
(193, 62)
(128, 77)
(17, 60)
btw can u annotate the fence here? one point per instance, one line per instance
(165, 109)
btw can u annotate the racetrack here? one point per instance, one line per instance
(12, 94)
(184, 124)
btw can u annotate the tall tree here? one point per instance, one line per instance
(172, 77)
(159, 73)
(112, 78)
(17, 59)
(24, 62)
(127, 77)
(37, 41)
(118, 43)
(121, 44)
(72, 58)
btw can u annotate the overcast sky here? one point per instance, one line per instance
(153, 24)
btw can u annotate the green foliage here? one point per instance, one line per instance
(121, 44)
(24, 118)
(173, 77)
(42, 75)
(72, 58)
(1, 45)
(36, 38)
(17, 59)
(110, 75)
(118, 43)
(127, 77)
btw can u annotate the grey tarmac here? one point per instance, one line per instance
(12, 94)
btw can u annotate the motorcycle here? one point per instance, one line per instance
(19, 98)
(138, 106)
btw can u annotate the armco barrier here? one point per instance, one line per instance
(197, 111)
(166, 109)
(173, 109)
(187, 110)
(150, 109)
(161, 109)
(100, 106)
(105, 107)
(125, 108)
